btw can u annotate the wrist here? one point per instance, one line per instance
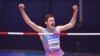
(21, 9)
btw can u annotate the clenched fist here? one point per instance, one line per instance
(21, 6)
(75, 8)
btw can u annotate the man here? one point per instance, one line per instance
(51, 43)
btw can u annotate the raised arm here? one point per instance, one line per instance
(27, 19)
(72, 21)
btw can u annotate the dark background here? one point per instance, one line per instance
(11, 21)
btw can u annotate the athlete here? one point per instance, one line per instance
(51, 43)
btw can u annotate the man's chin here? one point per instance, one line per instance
(52, 27)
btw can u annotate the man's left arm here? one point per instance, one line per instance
(72, 21)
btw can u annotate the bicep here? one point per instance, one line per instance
(64, 27)
(35, 27)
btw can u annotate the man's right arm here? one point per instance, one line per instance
(27, 19)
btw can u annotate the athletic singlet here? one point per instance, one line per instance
(51, 44)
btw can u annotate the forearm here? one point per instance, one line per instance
(24, 15)
(73, 19)
(28, 21)
(26, 18)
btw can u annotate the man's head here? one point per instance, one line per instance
(50, 21)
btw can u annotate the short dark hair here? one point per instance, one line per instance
(48, 16)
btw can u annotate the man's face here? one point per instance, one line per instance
(50, 23)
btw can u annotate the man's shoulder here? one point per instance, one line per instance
(43, 30)
(57, 28)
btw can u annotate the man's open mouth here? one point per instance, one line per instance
(52, 24)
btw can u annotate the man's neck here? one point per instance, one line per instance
(50, 30)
